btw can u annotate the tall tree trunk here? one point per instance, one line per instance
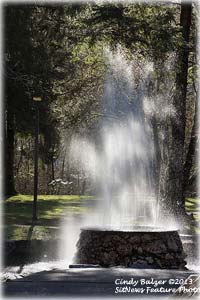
(63, 165)
(9, 155)
(18, 164)
(171, 184)
(62, 169)
(83, 187)
(157, 155)
(190, 157)
(52, 169)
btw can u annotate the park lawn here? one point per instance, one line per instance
(18, 209)
(51, 210)
(193, 206)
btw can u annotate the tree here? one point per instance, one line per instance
(41, 51)
(152, 31)
(171, 179)
(190, 172)
(63, 61)
(29, 70)
(14, 88)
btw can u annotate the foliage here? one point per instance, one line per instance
(150, 29)
(57, 51)
(28, 73)
(79, 97)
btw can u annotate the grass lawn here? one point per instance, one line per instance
(193, 206)
(51, 210)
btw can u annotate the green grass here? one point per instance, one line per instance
(60, 198)
(27, 232)
(192, 205)
(52, 209)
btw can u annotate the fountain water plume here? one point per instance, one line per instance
(121, 165)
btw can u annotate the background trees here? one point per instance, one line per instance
(27, 65)
(171, 180)
(56, 51)
(157, 33)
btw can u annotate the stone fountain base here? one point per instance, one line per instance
(136, 249)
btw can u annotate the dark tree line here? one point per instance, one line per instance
(171, 184)
(55, 51)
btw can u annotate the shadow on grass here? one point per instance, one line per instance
(10, 253)
(29, 236)
(50, 212)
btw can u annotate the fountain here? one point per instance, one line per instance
(137, 248)
(122, 167)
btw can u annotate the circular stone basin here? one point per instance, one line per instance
(145, 247)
